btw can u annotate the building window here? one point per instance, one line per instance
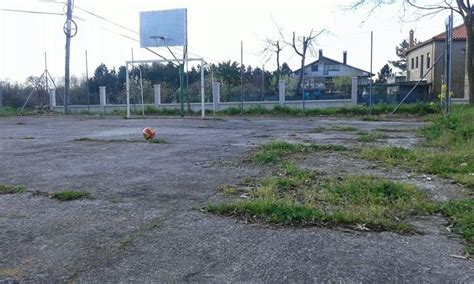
(413, 63)
(428, 60)
(416, 61)
(314, 67)
(463, 51)
(332, 67)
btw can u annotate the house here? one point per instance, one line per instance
(325, 72)
(421, 57)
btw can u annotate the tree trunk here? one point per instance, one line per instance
(469, 58)
(278, 67)
(278, 61)
(300, 78)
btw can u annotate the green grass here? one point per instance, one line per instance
(8, 111)
(379, 109)
(228, 190)
(370, 136)
(462, 214)
(10, 189)
(274, 152)
(392, 130)
(297, 196)
(125, 242)
(69, 195)
(448, 150)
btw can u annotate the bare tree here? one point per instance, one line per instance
(461, 7)
(301, 45)
(273, 47)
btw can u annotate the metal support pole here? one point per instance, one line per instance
(87, 84)
(141, 90)
(127, 80)
(263, 82)
(241, 77)
(302, 91)
(450, 62)
(370, 75)
(203, 111)
(1, 96)
(46, 79)
(181, 88)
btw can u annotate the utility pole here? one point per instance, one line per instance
(67, 31)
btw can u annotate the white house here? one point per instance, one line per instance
(324, 71)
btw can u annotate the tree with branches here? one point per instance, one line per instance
(273, 47)
(401, 51)
(464, 8)
(302, 45)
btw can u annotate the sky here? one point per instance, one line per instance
(215, 31)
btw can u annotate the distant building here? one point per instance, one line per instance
(420, 57)
(324, 71)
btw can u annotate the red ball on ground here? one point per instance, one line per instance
(148, 133)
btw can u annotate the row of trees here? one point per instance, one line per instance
(257, 84)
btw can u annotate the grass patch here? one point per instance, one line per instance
(125, 242)
(297, 196)
(379, 109)
(10, 189)
(448, 150)
(370, 136)
(462, 214)
(274, 152)
(228, 190)
(69, 195)
(392, 130)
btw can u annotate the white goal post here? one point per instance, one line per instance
(179, 61)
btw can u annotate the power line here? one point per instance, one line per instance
(128, 29)
(125, 28)
(32, 12)
(107, 20)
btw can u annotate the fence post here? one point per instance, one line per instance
(216, 95)
(52, 99)
(281, 92)
(355, 85)
(1, 95)
(157, 89)
(103, 102)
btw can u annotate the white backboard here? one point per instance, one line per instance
(163, 28)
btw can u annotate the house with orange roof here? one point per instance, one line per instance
(421, 57)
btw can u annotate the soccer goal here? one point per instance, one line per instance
(156, 82)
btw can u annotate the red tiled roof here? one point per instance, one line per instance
(459, 33)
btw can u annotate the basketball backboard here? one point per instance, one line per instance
(163, 28)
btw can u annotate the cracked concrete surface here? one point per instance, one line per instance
(143, 225)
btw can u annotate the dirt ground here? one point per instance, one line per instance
(144, 222)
